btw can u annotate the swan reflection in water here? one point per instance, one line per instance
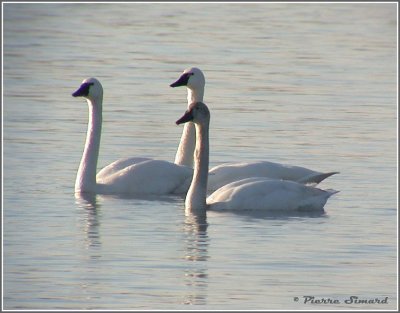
(89, 218)
(275, 215)
(196, 255)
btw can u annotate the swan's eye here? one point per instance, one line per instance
(88, 85)
(83, 90)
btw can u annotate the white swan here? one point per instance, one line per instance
(193, 79)
(142, 176)
(256, 193)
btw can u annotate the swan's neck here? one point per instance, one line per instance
(86, 177)
(195, 202)
(195, 95)
(184, 155)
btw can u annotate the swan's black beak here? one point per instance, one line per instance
(182, 81)
(187, 117)
(83, 90)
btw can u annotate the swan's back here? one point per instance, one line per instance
(152, 177)
(116, 166)
(258, 193)
(226, 173)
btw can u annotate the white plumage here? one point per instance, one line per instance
(260, 193)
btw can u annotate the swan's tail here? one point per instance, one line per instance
(332, 191)
(315, 179)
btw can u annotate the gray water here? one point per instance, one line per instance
(305, 84)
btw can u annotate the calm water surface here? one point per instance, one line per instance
(306, 84)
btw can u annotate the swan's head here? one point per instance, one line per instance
(90, 89)
(197, 113)
(192, 78)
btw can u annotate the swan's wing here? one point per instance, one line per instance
(226, 173)
(231, 190)
(268, 194)
(117, 166)
(155, 177)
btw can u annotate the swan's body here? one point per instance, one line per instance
(260, 193)
(125, 176)
(193, 79)
(255, 193)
